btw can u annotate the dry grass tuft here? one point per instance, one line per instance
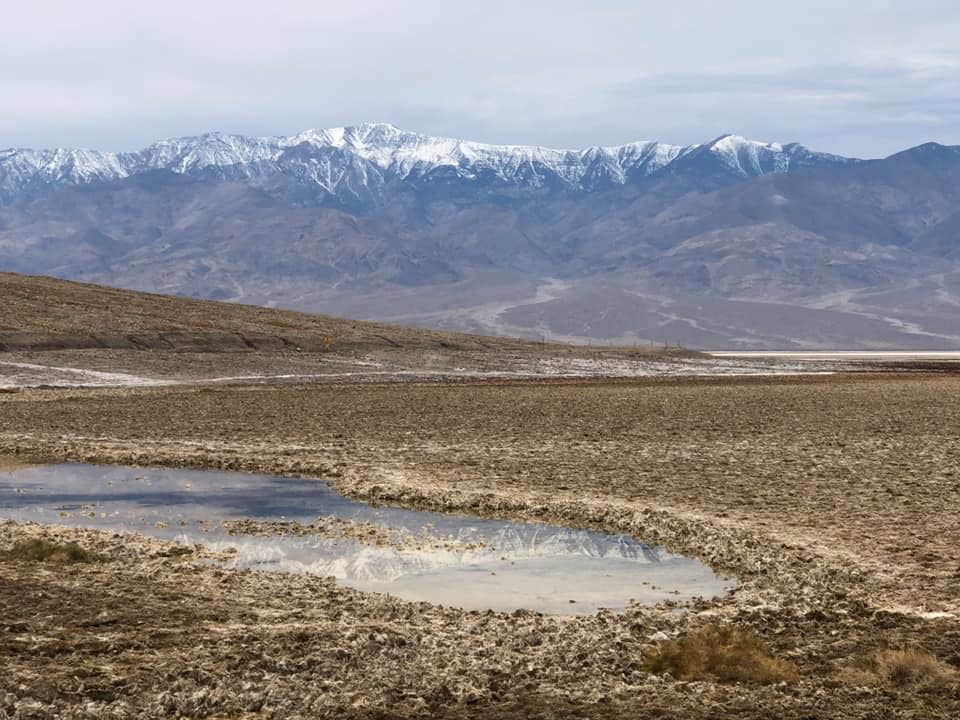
(40, 550)
(725, 653)
(901, 669)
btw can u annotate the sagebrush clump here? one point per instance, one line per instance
(725, 653)
(911, 667)
(40, 550)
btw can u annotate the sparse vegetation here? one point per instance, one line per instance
(725, 653)
(40, 550)
(911, 667)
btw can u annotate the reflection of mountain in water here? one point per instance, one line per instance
(547, 541)
(352, 561)
(456, 559)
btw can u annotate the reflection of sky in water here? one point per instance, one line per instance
(527, 565)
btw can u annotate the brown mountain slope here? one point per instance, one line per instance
(48, 313)
(42, 313)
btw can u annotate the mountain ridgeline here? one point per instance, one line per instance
(731, 243)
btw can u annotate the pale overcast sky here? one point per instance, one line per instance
(859, 78)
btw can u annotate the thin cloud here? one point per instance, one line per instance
(118, 75)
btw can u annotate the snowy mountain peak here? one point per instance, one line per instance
(359, 161)
(736, 143)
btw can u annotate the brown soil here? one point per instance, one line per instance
(10, 462)
(836, 501)
(42, 313)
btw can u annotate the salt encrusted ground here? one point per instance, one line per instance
(331, 368)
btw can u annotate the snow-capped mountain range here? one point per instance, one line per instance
(729, 243)
(358, 162)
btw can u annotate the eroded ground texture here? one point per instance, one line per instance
(835, 500)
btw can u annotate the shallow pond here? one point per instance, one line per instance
(446, 559)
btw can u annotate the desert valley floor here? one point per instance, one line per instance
(834, 499)
(831, 492)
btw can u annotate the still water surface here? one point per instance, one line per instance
(447, 559)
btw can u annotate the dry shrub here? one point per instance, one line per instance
(40, 550)
(901, 669)
(720, 652)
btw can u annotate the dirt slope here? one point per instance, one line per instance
(42, 313)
